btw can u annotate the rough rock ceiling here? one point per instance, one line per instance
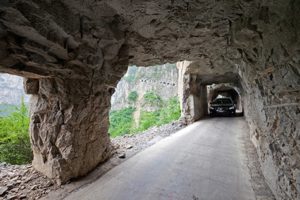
(84, 38)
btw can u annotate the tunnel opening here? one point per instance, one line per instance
(204, 84)
(145, 97)
(15, 145)
(227, 92)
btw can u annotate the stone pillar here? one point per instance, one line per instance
(194, 99)
(182, 68)
(69, 124)
(186, 107)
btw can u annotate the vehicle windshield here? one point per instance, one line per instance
(222, 101)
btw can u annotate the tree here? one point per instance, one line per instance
(132, 97)
(14, 137)
(152, 99)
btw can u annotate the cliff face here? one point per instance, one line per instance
(11, 90)
(161, 79)
(158, 81)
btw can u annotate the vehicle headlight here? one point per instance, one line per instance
(231, 108)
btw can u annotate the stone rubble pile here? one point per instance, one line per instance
(138, 142)
(23, 182)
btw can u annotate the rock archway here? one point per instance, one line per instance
(227, 90)
(73, 53)
(202, 83)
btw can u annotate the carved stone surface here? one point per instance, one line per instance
(31, 86)
(72, 46)
(72, 59)
(69, 123)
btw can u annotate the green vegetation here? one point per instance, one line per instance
(14, 137)
(170, 111)
(121, 122)
(132, 97)
(152, 99)
(148, 119)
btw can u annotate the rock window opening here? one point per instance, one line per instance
(14, 121)
(144, 97)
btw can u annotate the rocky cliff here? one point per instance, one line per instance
(11, 90)
(161, 79)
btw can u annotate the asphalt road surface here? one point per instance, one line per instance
(205, 161)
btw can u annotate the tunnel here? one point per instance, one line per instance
(207, 85)
(73, 53)
(225, 90)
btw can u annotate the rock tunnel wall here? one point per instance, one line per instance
(269, 71)
(271, 102)
(73, 53)
(266, 60)
(272, 110)
(267, 65)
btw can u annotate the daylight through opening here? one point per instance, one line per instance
(14, 121)
(144, 97)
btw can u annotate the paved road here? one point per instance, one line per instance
(205, 161)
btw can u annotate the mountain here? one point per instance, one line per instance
(11, 90)
(145, 91)
(160, 80)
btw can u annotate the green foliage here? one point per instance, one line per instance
(153, 99)
(121, 121)
(148, 119)
(168, 113)
(14, 137)
(133, 95)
